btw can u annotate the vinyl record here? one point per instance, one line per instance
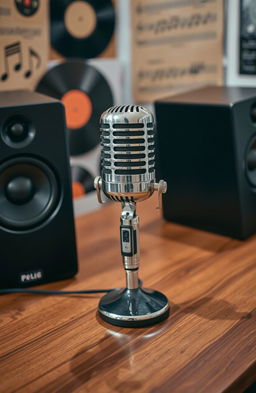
(82, 181)
(85, 94)
(26, 7)
(81, 28)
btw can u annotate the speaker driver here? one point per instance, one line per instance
(18, 132)
(250, 162)
(28, 193)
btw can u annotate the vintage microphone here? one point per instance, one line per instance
(128, 176)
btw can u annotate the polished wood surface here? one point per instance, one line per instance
(207, 345)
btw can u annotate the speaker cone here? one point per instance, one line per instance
(28, 193)
(250, 162)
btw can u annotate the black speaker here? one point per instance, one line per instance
(37, 234)
(207, 153)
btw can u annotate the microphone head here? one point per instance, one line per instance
(128, 153)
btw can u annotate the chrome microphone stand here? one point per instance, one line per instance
(128, 176)
(132, 306)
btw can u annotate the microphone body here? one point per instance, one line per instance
(128, 176)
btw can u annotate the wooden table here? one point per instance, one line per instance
(208, 344)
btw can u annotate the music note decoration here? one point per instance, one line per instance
(13, 49)
(176, 22)
(32, 54)
(163, 74)
(165, 6)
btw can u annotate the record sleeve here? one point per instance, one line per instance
(81, 29)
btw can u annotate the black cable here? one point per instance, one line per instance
(46, 292)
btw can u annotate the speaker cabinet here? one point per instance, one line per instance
(207, 154)
(37, 232)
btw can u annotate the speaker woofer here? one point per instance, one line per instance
(28, 193)
(250, 162)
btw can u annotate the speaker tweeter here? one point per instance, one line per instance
(18, 132)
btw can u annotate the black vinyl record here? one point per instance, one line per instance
(82, 181)
(85, 94)
(81, 28)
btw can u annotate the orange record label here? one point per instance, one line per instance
(78, 107)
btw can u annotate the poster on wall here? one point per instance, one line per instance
(82, 29)
(176, 45)
(247, 57)
(23, 43)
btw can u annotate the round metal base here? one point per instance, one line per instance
(134, 307)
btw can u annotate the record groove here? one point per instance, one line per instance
(82, 181)
(86, 94)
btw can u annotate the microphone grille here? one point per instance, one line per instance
(125, 109)
(127, 138)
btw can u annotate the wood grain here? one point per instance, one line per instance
(208, 344)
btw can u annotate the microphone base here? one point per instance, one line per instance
(134, 307)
